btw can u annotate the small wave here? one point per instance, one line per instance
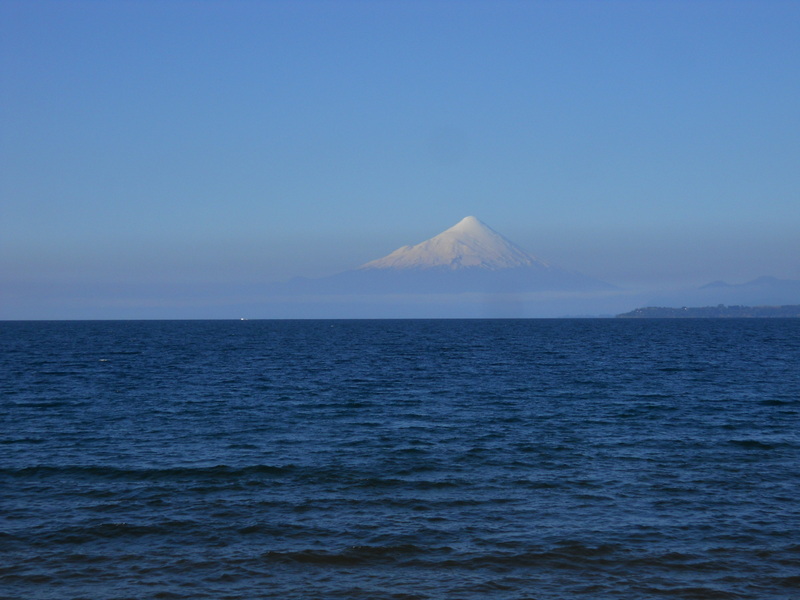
(778, 402)
(568, 548)
(486, 587)
(421, 484)
(27, 440)
(104, 472)
(680, 561)
(27, 578)
(80, 535)
(568, 556)
(695, 593)
(753, 444)
(352, 556)
(792, 581)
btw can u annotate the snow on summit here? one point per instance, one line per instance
(468, 244)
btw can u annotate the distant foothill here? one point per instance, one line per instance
(714, 312)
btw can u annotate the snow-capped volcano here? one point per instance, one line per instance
(470, 257)
(468, 244)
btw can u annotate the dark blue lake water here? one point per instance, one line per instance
(496, 459)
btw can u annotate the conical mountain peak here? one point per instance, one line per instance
(470, 257)
(469, 223)
(469, 244)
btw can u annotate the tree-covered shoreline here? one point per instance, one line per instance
(714, 312)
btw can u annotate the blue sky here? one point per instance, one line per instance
(149, 145)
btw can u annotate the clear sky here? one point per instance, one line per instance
(148, 145)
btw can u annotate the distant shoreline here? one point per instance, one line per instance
(714, 312)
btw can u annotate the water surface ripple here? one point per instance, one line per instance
(496, 459)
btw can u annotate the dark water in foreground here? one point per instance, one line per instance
(602, 459)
